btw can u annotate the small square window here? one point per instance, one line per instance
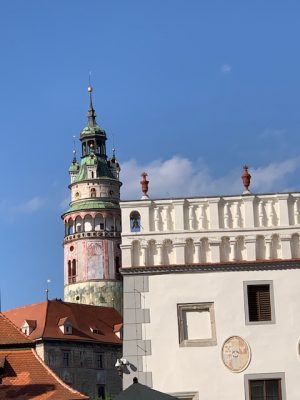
(196, 324)
(259, 302)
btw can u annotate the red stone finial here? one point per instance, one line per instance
(144, 184)
(246, 178)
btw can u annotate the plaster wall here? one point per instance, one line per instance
(105, 188)
(95, 259)
(151, 341)
(99, 293)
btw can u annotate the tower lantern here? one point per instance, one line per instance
(92, 255)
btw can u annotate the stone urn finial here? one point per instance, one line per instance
(144, 182)
(246, 178)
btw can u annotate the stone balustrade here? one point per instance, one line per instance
(213, 229)
(90, 234)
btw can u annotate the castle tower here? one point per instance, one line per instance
(92, 255)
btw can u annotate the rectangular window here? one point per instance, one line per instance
(265, 386)
(51, 358)
(66, 358)
(259, 302)
(265, 389)
(99, 361)
(196, 324)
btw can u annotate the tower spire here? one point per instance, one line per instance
(91, 111)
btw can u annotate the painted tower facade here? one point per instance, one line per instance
(92, 255)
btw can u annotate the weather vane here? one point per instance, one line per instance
(47, 290)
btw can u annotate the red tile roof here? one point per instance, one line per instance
(26, 377)
(23, 375)
(10, 334)
(48, 314)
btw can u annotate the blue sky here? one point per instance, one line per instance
(190, 91)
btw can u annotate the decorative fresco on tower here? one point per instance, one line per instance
(94, 260)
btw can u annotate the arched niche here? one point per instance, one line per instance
(135, 221)
(70, 226)
(109, 223)
(99, 222)
(88, 223)
(78, 224)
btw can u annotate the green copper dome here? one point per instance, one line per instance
(92, 130)
(103, 170)
(91, 205)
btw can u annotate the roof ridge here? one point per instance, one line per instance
(56, 377)
(25, 306)
(87, 305)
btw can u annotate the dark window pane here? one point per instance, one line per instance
(101, 391)
(257, 390)
(269, 389)
(273, 389)
(259, 303)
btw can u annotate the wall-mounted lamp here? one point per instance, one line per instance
(121, 365)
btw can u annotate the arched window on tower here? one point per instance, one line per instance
(92, 174)
(78, 224)
(70, 226)
(135, 221)
(72, 271)
(93, 191)
(69, 270)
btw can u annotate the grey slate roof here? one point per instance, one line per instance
(141, 392)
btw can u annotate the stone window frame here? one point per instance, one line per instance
(201, 306)
(272, 302)
(263, 377)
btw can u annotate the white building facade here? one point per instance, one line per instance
(211, 295)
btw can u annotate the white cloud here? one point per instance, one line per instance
(272, 176)
(226, 68)
(180, 176)
(30, 206)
